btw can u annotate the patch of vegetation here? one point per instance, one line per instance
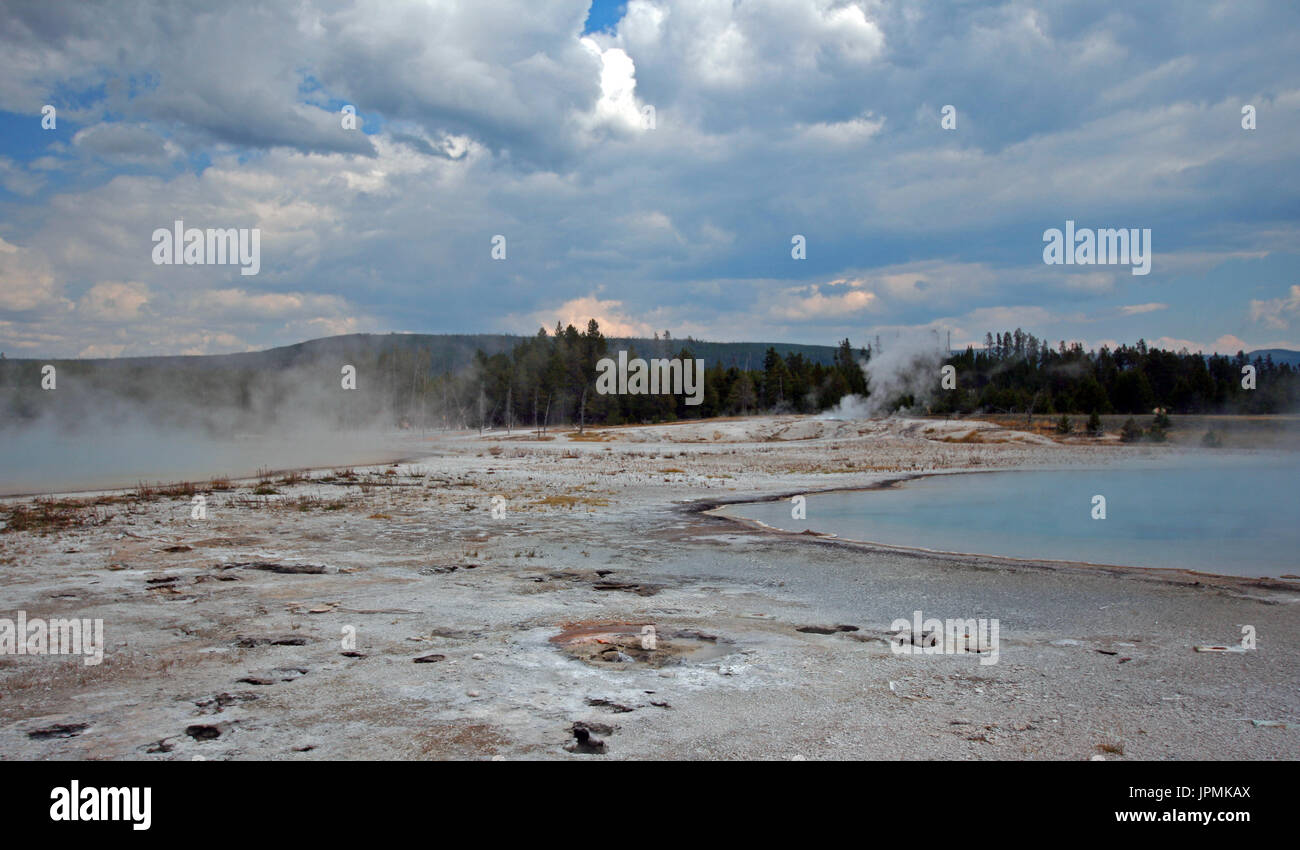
(1160, 427)
(46, 516)
(571, 501)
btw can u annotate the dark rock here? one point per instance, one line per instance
(273, 640)
(220, 701)
(694, 634)
(282, 674)
(430, 659)
(58, 730)
(584, 741)
(615, 585)
(291, 569)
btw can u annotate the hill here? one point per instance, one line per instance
(448, 352)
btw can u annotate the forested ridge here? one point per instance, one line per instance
(549, 379)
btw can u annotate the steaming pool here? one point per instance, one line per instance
(35, 461)
(1229, 515)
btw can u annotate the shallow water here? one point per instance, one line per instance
(1227, 514)
(35, 461)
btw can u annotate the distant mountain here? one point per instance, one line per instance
(451, 352)
(395, 377)
(1279, 355)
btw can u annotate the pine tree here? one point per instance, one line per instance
(1131, 432)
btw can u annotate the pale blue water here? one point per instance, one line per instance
(1231, 515)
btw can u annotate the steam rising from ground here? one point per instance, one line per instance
(905, 366)
(115, 425)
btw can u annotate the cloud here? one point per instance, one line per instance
(113, 301)
(610, 315)
(1139, 309)
(773, 117)
(273, 305)
(1276, 313)
(19, 180)
(1226, 344)
(129, 143)
(26, 281)
(617, 106)
(810, 303)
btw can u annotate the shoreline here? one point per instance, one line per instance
(1172, 574)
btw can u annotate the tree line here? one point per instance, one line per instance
(1017, 372)
(549, 379)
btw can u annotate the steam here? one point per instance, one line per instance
(905, 366)
(114, 424)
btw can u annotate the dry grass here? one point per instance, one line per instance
(571, 501)
(591, 437)
(57, 673)
(972, 437)
(46, 516)
(180, 490)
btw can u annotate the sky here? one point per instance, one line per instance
(772, 119)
